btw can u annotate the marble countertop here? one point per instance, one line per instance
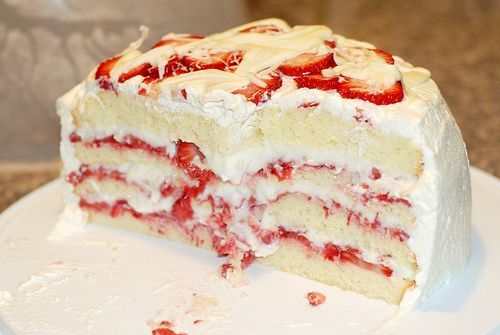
(47, 47)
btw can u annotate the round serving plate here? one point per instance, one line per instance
(59, 277)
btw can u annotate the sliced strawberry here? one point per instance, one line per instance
(103, 71)
(331, 44)
(315, 298)
(376, 174)
(358, 89)
(331, 252)
(282, 170)
(174, 67)
(182, 210)
(187, 151)
(164, 330)
(306, 63)
(247, 259)
(385, 55)
(317, 81)
(262, 29)
(141, 70)
(219, 61)
(178, 41)
(257, 94)
(166, 189)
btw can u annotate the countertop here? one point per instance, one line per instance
(47, 47)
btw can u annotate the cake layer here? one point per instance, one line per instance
(291, 257)
(303, 129)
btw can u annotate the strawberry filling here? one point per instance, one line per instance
(187, 157)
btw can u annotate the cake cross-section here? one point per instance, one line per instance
(293, 147)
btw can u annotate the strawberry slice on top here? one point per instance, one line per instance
(141, 70)
(102, 74)
(262, 29)
(257, 94)
(351, 88)
(181, 40)
(306, 63)
(219, 61)
(384, 55)
(317, 81)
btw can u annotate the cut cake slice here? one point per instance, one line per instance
(295, 147)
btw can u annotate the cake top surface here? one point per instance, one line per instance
(258, 59)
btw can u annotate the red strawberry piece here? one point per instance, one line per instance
(174, 67)
(248, 258)
(309, 105)
(331, 44)
(306, 63)
(262, 29)
(166, 189)
(226, 247)
(181, 209)
(376, 174)
(141, 70)
(165, 330)
(285, 234)
(187, 151)
(224, 268)
(282, 170)
(103, 71)
(315, 298)
(331, 252)
(74, 137)
(358, 89)
(257, 94)
(317, 81)
(178, 41)
(218, 61)
(385, 55)
(399, 234)
(350, 255)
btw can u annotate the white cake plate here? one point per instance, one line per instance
(98, 280)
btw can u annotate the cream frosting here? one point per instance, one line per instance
(441, 196)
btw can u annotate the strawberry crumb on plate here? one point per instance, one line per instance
(315, 298)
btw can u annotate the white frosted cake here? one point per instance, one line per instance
(294, 147)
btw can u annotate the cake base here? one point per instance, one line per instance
(291, 257)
